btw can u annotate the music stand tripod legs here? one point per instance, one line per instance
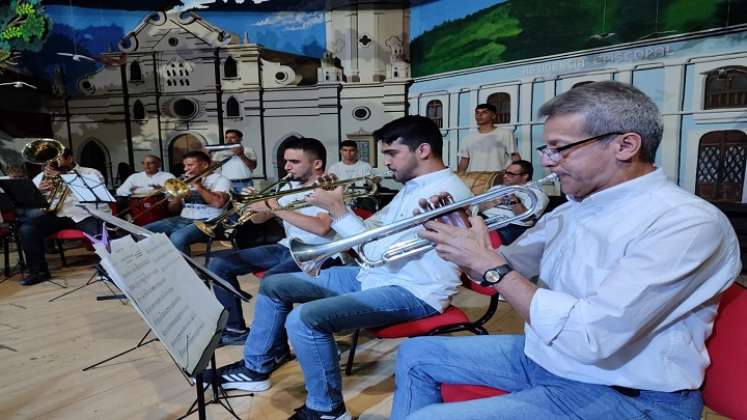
(139, 344)
(99, 275)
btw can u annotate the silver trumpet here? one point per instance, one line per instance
(311, 257)
(219, 147)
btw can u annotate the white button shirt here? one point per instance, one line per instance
(142, 182)
(629, 284)
(428, 277)
(293, 231)
(70, 207)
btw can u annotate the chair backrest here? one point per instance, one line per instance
(362, 213)
(725, 383)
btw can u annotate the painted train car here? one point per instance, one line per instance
(698, 80)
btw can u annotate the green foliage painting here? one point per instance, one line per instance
(521, 29)
(23, 27)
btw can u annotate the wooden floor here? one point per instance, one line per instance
(44, 345)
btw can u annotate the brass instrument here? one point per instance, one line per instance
(243, 201)
(179, 187)
(46, 152)
(311, 257)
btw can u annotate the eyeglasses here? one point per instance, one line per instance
(554, 153)
(513, 174)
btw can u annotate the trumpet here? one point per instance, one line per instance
(219, 147)
(45, 152)
(311, 257)
(242, 202)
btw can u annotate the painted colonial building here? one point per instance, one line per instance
(698, 80)
(185, 81)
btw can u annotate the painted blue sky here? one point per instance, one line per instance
(425, 17)
(298, 32)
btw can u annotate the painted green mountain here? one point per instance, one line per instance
(521, 29)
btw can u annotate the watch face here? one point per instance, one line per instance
(493, 276)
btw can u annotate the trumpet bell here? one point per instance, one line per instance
(309, 258)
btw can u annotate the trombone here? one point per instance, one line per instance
(46, 152)
(311, 257)
(243, 201)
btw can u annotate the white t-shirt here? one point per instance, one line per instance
(356, 170)
(142, 182)
(488, 151)
(235, 168)
(505, 211)
(196, 208)
(293, 231)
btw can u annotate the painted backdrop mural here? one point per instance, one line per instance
(453, 34)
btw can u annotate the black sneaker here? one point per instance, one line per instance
(35, 278)
(305, 413)
(233, 338)
(238, 376)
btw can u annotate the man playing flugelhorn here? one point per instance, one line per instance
(347, 298)
(305, 160)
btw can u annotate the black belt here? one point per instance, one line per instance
(241, 180)
(628, 392)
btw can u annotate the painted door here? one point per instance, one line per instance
(178, 148)
(721, 165)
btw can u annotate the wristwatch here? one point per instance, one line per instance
(495, 275)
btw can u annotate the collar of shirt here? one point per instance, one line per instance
(623, 191)
(426, 179)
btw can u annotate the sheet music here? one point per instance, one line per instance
(182, 312)
(87, 188)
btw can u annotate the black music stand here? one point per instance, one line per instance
(20, 194)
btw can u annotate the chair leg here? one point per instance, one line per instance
(6, 253)
(19, 249)
(351, 353)
(62, 253)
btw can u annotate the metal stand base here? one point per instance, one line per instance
(219, 396)
(139, 344)
(99, 275)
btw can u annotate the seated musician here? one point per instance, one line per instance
(34, 231)
(147, 181)
(630, 271)
(517, 173)
(206, 199)
(305, 160)
(349, 297)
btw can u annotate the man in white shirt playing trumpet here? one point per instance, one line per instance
(243, 161)
(630, 271)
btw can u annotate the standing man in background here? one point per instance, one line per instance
(350, 166)
(490, 148)
(243, 161)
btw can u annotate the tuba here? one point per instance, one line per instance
(45, 152)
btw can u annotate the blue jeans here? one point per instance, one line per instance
(181, 231)
(237, 186)
(330, 303)
(229, 264)
(498, 361)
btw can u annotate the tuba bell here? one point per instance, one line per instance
(46, 152)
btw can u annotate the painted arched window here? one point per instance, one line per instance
(136, 74)
(726, 88)
(229, 68)
(232, 107)
(435, 111)
(138, 111)
(502, 103)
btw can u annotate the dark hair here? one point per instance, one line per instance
(309, 145)
(412, 131)
(489, 107)
(67, 152)
(526, 167)
(609, 107)
(349, 143)
(237, 132)
(197, 154)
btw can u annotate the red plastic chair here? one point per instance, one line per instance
(73, 235)
(453, 319)
(726, 378)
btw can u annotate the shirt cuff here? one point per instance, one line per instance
(348, 225)
(548, 313)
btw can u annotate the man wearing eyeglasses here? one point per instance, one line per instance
(629, 271)
(517, 173)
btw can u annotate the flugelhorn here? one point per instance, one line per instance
(243, 201)
(46, 152)
(311, 257)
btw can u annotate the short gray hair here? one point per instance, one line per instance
(609, 107)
